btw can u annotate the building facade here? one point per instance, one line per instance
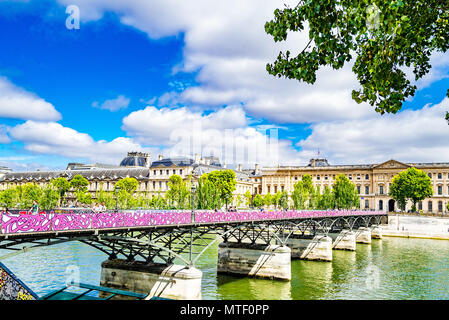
(373, 181)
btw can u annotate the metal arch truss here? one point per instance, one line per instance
(189, 243)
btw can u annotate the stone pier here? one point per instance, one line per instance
(166, 281)
(376, 233)
(255, 260)
(363, 235)
(345, 240)
(317, 248)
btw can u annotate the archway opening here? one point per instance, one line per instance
(391, 205)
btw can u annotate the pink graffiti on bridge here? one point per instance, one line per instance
(26, 223)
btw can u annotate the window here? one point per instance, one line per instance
(154, 172)
(180, 171)
(440, 190)
(350, 177)
(430, 175)
(367, 176)
(440, 175)
(282, 188)
(154, 185)
(168, 172)
(160, 172)
(381, 205)
(318, 177)
(174, 171)
(440, 206)
(429, 206)
(366, 204)
(325, 177)
(296, 177)
(366, 189)
(268, 189)
(381, 189)
(420, 205)
(358, 176)
(358, 189)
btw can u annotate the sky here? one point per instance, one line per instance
(175, 78)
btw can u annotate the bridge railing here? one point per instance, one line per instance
(46, 222)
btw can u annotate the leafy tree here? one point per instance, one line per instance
(225, 182)
(300, 195)
(207, 194)
(106, 197)
(283, 200)
(277, 199)
(62, 186)
(267, 200)
(30, 193)
(258, 201)
(49, 198)
(345, 193)
(238, 200)
(9, 197)
(79, 183)
(327, 200)
(178, 192)
(126, 188)
(383, 36)
(248, 197)
(411, 184)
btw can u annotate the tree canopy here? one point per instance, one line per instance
(383, 37)
(345, 193)
(411, 184)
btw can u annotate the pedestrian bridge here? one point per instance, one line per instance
(167, 244)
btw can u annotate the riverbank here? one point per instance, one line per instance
(409, 226)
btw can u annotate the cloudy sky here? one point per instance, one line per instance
(180, 77)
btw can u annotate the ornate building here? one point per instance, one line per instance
(373, 181)
(153, 177)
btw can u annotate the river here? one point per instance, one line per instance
(391, 268)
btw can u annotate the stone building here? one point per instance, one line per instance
(153, 177)
(373, 181)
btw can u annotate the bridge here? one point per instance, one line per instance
(153, 251)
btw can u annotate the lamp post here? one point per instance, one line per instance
(117, 188)
(193, 189)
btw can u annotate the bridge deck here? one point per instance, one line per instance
(48, 224)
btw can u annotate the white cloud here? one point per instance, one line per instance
(224, 133)
(4, 138)
(17, 103)
(121, 102)
(53, 138)
(410, 136)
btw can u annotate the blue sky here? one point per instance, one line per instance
(137, 72)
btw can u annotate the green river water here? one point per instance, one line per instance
(391, 268)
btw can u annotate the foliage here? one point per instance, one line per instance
(283, 200)
(79, 183)
(106, 197)
(8, 197)
(267, 200)
(225, 182)
(345, 193)
(178, 192)
(258, 201)
(62, 186)
(125, 189)
(248, 197)
(207, 194)
(327, 200)
(411, 184)
(299, 195)
(49, 198)
(384, 36)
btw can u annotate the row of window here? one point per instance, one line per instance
(167, 172)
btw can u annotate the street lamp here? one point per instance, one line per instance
(117, 188)
(193, 189)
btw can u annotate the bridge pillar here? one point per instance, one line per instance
(255, 260)
(345, 240)
(318, 248)
(165, 281)
(363, 235)
(376, 232)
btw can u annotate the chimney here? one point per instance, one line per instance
(256, 168)
(147, 160)
(197, 158)
(160, 157)
(239, 167)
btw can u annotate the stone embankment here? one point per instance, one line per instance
(409, 226)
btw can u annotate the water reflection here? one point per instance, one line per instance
(392, 268)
